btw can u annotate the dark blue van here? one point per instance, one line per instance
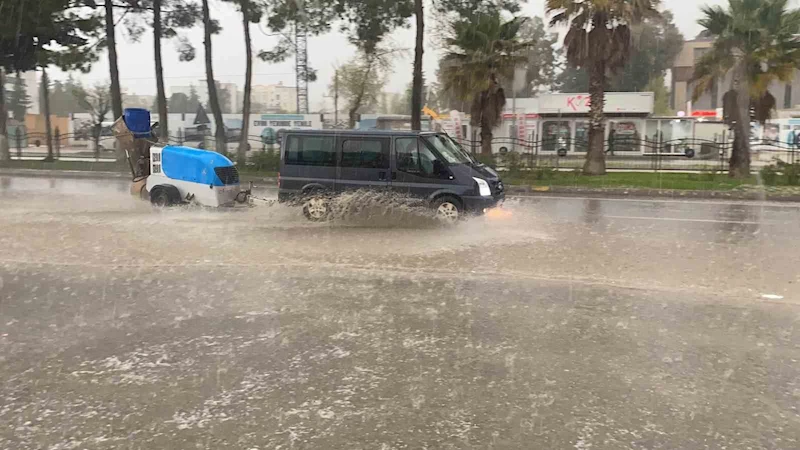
(429, 166)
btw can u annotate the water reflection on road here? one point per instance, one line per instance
(564, 322)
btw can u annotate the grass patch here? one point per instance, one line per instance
(682, 181)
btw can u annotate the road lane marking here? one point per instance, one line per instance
(678, 219)
(661, 200)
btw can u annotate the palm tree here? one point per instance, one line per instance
(483, 52)
(416, 90)
(599, 42)
(755, 41)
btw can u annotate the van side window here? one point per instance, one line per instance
(365, 153)
(310, 151)
(412, 156)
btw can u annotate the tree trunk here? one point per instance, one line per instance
(416, 89)
(98, 129)
(595, 156)
(161, 95)
(486, 137)
(351, 118)
(5, 153)
(739, 164)
(46, 98)
(213, 100)
(3, 112)
(241, 154)
(116, 91)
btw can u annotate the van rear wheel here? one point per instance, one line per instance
(448, 209)
(316, 209)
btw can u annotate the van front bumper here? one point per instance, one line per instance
(477, 205)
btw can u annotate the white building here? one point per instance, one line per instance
(276, 98)
(138, 101)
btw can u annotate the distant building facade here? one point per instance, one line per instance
(787, 95)
(275, 98)
(138, 101)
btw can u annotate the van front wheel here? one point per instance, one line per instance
(448, 209)
(316, 209)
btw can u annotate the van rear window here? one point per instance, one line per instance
(310, 151)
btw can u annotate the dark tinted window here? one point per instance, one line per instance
(365, 153)
(407, 155)
(310, 151)
(412, 156)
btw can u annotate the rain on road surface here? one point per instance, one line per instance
(571, 323)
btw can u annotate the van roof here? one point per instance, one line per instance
(363, 132)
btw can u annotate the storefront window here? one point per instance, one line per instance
(624, 136)
(555, 135)
(652, 137)
(581, 136)
(679, 132)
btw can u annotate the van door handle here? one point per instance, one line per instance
(382, 176)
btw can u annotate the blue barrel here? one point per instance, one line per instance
(138, 121)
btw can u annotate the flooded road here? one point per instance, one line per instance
(561, 323)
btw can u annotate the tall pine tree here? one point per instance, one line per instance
(18, 99)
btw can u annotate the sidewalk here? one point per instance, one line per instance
(768, 193)
(50, 173)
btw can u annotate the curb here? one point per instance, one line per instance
(533, 191)
(513, 190)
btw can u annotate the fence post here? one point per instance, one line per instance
(722, 151)
(58, 144)
(18, 138)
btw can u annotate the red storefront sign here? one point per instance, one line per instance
(578, 102)
(704, 113)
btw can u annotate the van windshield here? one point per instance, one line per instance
(449, 150)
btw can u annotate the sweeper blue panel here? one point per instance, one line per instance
(191, 164)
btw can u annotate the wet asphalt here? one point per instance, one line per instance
(557, 323)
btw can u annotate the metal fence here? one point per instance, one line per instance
(689, 155)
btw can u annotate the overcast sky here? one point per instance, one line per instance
(137, 67)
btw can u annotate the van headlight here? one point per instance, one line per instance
(483, 187)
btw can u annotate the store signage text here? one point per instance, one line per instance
(577, 102)
(282, 123)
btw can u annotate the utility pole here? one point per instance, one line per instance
(514, 106)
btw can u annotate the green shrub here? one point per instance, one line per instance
(708, 174)
(513, 161)
(769, 175)
(264, 161)
(489, 160)
(544, 173)
(791, 172)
